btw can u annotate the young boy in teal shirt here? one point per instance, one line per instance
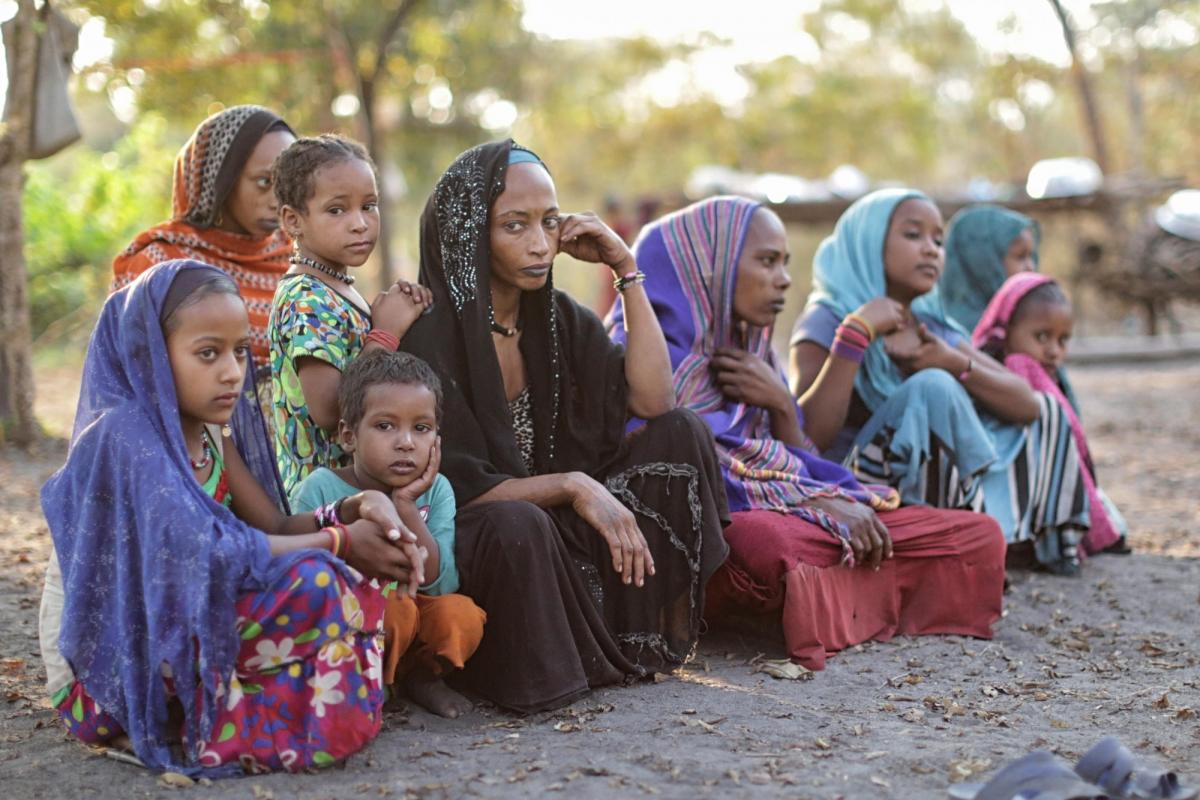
(391, 406)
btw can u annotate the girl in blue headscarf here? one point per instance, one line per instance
(985, 245)
(185, 616)
(896, 389)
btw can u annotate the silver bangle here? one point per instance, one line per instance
(625, 281)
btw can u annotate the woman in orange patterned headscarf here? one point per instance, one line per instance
(224, 212)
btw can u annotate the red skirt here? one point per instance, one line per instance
(946, 576)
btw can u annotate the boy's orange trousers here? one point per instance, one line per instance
(438, 632)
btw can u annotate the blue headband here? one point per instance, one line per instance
(519, 155)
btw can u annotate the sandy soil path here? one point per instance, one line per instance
(1112, 652)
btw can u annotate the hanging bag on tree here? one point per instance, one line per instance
(53, 124)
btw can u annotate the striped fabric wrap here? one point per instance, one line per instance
(690, 259)
(697, 242)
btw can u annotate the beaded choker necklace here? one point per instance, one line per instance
(500, 329)
(305, 261)
(205, 456)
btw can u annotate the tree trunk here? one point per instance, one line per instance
(1087, 97)
(17, 422)
(368, 94)
(347, 56)
(367, 100)
(1137, 114)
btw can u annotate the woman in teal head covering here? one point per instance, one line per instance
(985, 245)
(894, 387)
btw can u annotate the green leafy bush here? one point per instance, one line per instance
(81, 208)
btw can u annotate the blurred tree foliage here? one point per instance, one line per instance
(897, 88)
(80, 209)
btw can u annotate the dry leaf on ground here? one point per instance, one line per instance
(175, 780)
(961, 769)
(784, 669)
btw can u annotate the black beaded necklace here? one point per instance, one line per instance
(500, 329)
(298, 260)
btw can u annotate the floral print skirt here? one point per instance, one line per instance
(307, 690)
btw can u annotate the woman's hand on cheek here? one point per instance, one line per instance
(585, 236)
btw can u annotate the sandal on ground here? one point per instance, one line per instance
(1065, 568)
(1037, 776)
(1111, 765)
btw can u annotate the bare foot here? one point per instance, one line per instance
(431, 693)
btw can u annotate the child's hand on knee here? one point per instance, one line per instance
(415, 554)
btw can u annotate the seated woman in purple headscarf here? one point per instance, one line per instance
(181, 604)
(804, 530)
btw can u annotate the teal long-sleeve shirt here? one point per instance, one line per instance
(437, 508)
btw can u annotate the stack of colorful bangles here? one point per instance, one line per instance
(330, 523)
(339, 539)
(852, 339)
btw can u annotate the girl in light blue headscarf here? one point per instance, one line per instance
(894, 387)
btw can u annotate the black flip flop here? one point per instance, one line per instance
(1037, 776)
(1111, 765)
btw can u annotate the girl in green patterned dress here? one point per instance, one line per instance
(329, 205)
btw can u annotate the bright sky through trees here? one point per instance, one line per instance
(757, 31)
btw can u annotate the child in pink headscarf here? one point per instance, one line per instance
(1028, 325)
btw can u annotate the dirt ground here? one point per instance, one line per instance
(1072, 660)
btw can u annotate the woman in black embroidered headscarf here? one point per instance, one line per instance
(588, 550)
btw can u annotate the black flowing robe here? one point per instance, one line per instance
(560, 620)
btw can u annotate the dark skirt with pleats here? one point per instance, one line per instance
(560, 620)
